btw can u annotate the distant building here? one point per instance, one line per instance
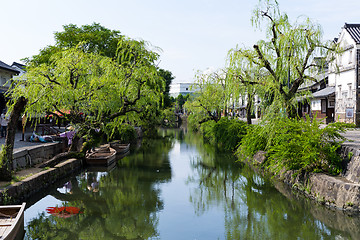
(182, 88)
(6, 74)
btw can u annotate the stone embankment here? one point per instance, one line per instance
(26, 159)
(22, 190)
(341, 192)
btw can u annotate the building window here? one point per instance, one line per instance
(323, 105)
(344, 94)
(350, 56)
(350, 91)
(187, 89)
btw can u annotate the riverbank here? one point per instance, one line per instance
(29, 178)
(341, 191)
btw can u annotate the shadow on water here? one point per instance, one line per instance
(126, 202)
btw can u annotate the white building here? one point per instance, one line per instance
(344, 75)
(6, 73)
(182, 88)
(21, 68)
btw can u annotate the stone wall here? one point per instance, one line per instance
(22, 190)
(342, 192)
(29, 156)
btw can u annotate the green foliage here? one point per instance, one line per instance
(225, 134)
(296, 144)
(169, 118)
(125, 133)
(2, 156)
(343, 125)
(168, 77)
(283, 61)
(228, 133)
(210, 97)
(180, 100)
(208, 131)
(255, 140)
(96, 89)
(95, 39)
(193, 122)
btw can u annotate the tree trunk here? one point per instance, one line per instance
(248, 108)
(7, 151)
(74, 147)
(60, 157)
(291, 111)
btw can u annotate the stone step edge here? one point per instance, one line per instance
(22, 190)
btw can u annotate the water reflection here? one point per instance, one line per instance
(121, 204)
(253, 208)
(179, 187)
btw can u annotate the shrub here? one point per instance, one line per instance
(207, 130)
(225, 134)
(343, 125)
(228, 133)
(169, 118)
(295, 144)
(193, 123)
(254, 141)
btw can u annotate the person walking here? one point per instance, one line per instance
(4, 123)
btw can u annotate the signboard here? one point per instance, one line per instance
(349, 113)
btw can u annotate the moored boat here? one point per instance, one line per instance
(121, 149)
(103, 156)
(12, 222)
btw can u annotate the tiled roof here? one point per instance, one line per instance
(7, 67)
(19, 65)
(354, 31)
(324, 92)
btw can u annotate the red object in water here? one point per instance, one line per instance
(63, 212)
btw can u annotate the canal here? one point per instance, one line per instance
(177, 187)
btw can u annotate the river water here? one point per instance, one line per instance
(180, 188)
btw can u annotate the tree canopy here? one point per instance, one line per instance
(95, 89)
(97, 76)
(286, 55)
(94, 38)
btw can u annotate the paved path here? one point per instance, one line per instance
(20, 144)
(353, 137)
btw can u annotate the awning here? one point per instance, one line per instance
(324, 92)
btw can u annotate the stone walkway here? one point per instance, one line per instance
(18, 146)
(353, 137)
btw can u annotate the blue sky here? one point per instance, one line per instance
(193, 34)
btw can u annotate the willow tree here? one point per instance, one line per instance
(245, 79)
(210, 98)
(287, 53)
(96, 90)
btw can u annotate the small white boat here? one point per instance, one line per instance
(12, 222)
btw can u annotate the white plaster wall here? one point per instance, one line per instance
(342, 74)
(4, 77)
(316, 105)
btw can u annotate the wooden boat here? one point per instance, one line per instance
(121, 149)
(12, 222)
(103, 156)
